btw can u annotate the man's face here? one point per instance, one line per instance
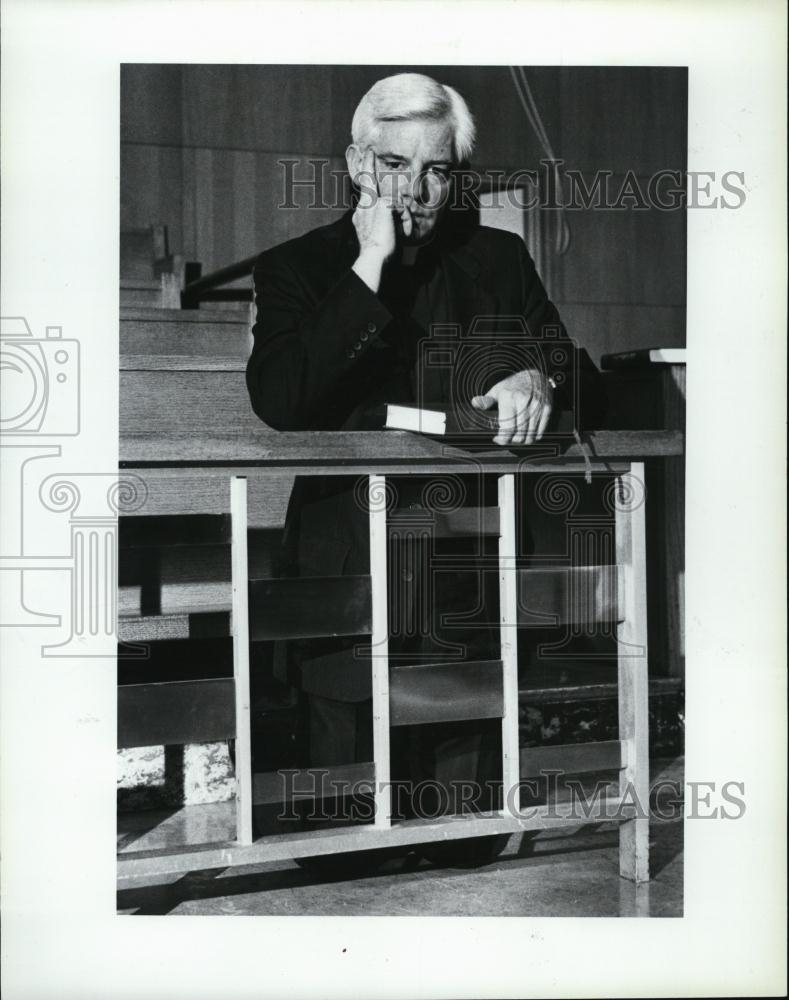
(413, 165)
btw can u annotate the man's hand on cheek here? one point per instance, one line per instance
(524, 401)
(372, 218)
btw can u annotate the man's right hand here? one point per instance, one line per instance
(375, 225)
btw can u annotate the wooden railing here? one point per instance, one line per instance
(187, 474)
(322, 452)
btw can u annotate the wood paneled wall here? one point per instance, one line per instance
(201, 147)
(621, 285)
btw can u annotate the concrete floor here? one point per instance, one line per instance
(563, 874)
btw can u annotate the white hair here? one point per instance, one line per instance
(413, 97)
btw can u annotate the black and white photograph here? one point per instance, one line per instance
(410, 630)
(393, 488)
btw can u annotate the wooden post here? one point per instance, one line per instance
(672, 478)
(379, 649)
(632, 671)
(508, 615)
(240, 582)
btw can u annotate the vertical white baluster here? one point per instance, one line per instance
(240, 583)
(508, 612)
(629, 512)
(380, 649)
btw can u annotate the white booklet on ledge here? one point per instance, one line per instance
(411, 418)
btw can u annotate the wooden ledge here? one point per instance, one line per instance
(343, 451)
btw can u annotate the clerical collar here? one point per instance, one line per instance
(419, 258)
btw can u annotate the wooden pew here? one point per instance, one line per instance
(150, 276)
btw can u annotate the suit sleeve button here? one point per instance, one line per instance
(350, 354)
(372, 327)
(364, 335)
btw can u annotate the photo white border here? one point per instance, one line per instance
(60, 166)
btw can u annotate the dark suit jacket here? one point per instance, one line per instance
(321, 355)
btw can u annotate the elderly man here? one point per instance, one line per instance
(341, 315)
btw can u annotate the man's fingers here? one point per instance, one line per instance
(506, 419)
(531, 428)
(545, 416)
(374, 169)
(483, 402)
(407, 221)
(370, 167)
(521, 417)
(532, 419)
(367, 181)
(524, 406)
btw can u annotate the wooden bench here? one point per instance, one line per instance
(150, 276)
